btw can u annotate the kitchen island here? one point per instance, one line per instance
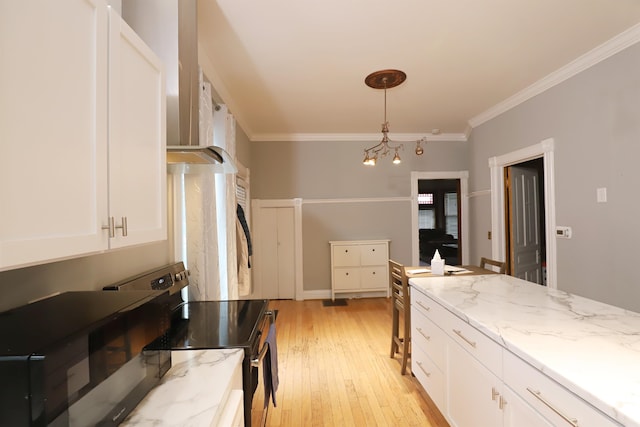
(547, 351)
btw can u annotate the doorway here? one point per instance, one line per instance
(439, 220)
(524, 221)
(458, 204)
(544, 150)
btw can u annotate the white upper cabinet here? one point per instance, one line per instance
(137, 138)
(61, 166)
(53, 129)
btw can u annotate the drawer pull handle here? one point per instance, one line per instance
(538, 395)
(428, 374)
(467, 340)
(423, 306)
(423, 334)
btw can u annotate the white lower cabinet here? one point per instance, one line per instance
(517, 413)
(559, 405)
(473, 392)
(474, 381)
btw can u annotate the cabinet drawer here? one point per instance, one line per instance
(346, 255)
(346, 278)
(432, 310)
(374, 254)
(549, 398)
(374, 278)
(431, 378)
(426, 336)
(483, 348)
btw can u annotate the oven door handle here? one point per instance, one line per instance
(255, 362)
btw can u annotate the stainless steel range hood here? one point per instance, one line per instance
(170, 28)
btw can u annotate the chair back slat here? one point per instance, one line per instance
(501, 265)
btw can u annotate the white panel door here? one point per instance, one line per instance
(137, 141)
(525, 209)
(53, 135)
(277, 252)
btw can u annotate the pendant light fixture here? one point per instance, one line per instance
(386, 79)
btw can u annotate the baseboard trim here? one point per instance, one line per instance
(326, 294)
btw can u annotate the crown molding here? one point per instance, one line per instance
(357, 137)
(617, 44)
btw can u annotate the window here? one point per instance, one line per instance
(426, 214)
(451, 214)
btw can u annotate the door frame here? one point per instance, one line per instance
(296, 204)
(544, 149)
(463, 176)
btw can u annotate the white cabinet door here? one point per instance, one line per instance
(53, 130)
(277, 252)
(137, 141)
(518, 413)
(473, 392)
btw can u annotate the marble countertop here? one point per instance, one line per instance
(191, 392)
(589, 347)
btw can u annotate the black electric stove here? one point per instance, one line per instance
(200, 325)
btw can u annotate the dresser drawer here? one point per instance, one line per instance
(374, 254)
(483, 348)
(428, 337)
(374, 278)
(430, 376)
(549, 398)
(346, 255)
(346, 278)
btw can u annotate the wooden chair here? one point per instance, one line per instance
(500, 264)
(401, 306)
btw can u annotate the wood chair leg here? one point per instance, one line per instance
(394, 333)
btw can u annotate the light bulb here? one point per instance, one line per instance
(396, 159)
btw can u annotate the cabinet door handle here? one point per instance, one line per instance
(124, 227)
(494, 393)
(423, 334)
(111, 227)
(467, 340)
(501, 403)
(538, 395)
(423, 306)
(428, 374)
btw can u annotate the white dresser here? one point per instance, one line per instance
(359, 266)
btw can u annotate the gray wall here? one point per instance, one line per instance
(329, 177)
(594, 119)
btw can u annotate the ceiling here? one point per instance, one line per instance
(295, 69)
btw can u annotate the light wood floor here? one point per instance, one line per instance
(335, 369)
